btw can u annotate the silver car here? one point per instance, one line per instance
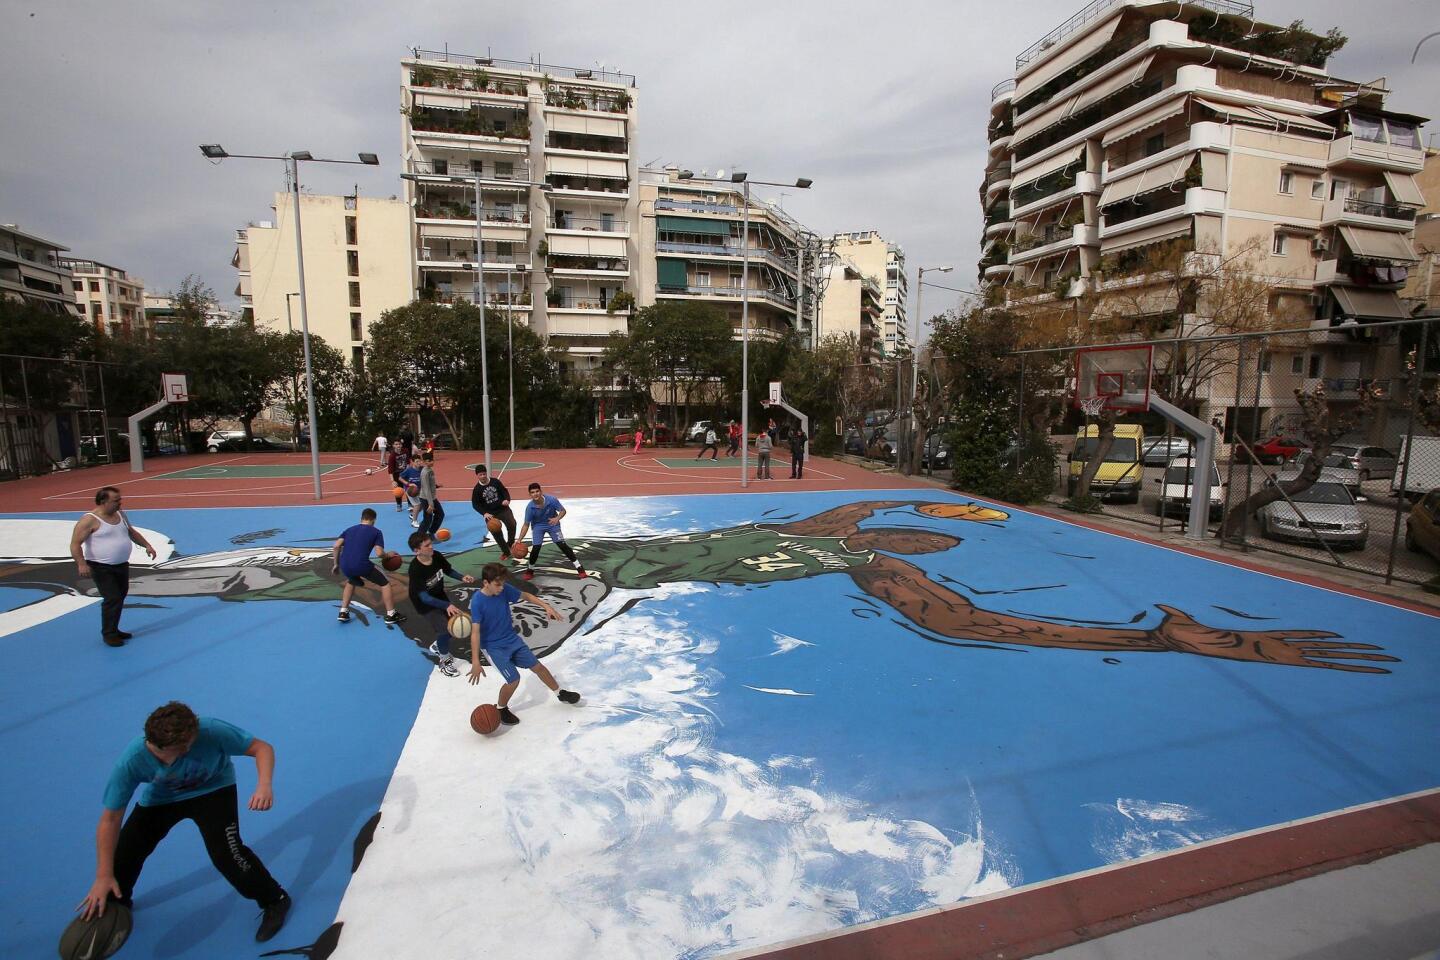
(1157, 451)
(1325, 512)
(1372, 463)
(1336, 469)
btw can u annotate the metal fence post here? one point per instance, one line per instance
(1402, 500)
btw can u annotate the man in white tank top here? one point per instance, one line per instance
(101, 546)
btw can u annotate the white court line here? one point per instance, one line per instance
(120, 483)
(42, 611)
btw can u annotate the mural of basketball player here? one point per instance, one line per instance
(831, 542)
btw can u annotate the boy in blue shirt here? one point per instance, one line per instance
(185, 759)
(352, 560)
(411, 474)
(544, 514)
(491, 627)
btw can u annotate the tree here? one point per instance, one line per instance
(194, 302)
(681, 344)
(334, 390)
(812, 384)
(31, 331)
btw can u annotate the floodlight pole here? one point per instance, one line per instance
(745, 343)
(305, 331)
(480, 302)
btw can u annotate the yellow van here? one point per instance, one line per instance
(1120, 475)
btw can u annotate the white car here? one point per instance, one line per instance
(696, 434)
(217, 439)
(1178, 485)
(1324, 512)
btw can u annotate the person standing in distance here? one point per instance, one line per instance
(432, 513)
(352, 560)
(639, 437)
(797, 453)
(712, 443)
(762, 455)
(101, 545)
(491, 499)
(380, 444)
(185, 759)
(544, 513)
(734, 438)
(490, 620)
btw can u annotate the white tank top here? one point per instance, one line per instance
(111, 543)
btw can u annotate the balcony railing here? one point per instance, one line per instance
(527, 66)
(608, 264)
(428, 255)
(1004, 86)
(697, 206)
(725, 250)
(600, 225)
(576, 302)
(1377, 208)
(729, 293)
(470, 123)
(588, 184)
(461, 212)
(520, 300)
(449, 168)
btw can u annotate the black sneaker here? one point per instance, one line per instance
(568, 696)
(115, 641)
(508, 718)
(394, 618)
(344, 616)
(273, 918)
(125, 636)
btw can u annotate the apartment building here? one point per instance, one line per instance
(854, 302)
(357, 266)
(109, 297)
(874, 257)
(1422, 288)
(692, 249)
(557, 204)
(1139, 127)
(31, 271)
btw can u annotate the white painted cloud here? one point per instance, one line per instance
(1131, 828)
(781, 691)
(784, 644)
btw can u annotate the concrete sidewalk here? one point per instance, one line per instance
(1385, 910)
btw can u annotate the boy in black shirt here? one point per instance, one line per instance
(428, 571)
(491, 499)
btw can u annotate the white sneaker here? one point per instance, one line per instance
(444, 662)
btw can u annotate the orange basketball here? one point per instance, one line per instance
(485, 718)
(413, 489)
(963, 511)
(442, 534)
(519, 550)
(398, 492)
(492, 523)
(391, 561)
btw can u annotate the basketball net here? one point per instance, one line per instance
(1091, 406)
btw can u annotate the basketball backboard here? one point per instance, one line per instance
(1113, 378)
(176, 387)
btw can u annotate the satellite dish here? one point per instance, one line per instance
(705, 174)
(720, 174)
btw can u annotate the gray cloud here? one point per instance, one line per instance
(884, 106)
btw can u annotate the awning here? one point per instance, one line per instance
(1369, 304)
(1047, 167)
(1132, 74)
(1378, 244)
(1155, 233)
(582, 167)
(1046, 118)
(670, 273)
(1155, 178)
(591, 246)
(1145, 121)
(1237, 114)
(709, 228)
(1294, 120)
(432, 102)
(594, 126)
(1404, 189)
(1052, 67)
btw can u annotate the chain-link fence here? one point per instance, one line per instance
(53, 416)
(1364, 398)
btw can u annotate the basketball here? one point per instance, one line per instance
(103, 936)
(398, 492)
(460, 626)
(391, 561)
(962, 511)
(485, 718)
(413, 489)
(442, 534)
(492, 524)
(519, 550)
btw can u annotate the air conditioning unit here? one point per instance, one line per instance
(1317, 299)
(1318, 245)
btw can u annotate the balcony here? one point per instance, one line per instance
(591, 224)
(477, 124)
(1367, 213)
(465, 213)
(728, 293)
(562, 323)
(1355, 273)
(594, 188)
(593, 99)
(519, 302)
(725, 252)
(696, 206)
(1040, 246)
(587, 266)
(1084, 183)
(579, 302)
(463, 260)
(1356, 150)
(1002, 91)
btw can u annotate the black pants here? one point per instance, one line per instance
(797, 465)
(713, 447)
(112, 580)
(429, 523)
(506, 535)
(217, 816)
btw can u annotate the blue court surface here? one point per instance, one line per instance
(800, 712)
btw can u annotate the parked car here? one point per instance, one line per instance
(1372, 463)
(1335, 469)
(1324, 512)
(1120, 474)
(256, 445)
(215, 442)
(445, 440)
(660, 434)
(1178, 485)
(696, 433)
(1276, 449)
(936, 454)
(1423, 471)
(881, 445)
(1422, 527)
(1160, 450)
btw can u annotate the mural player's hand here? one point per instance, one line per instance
(476, 672)
(261, 799)
(1295, 648)
(94, 903)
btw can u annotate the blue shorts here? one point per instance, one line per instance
(510, 654)
(538, 534)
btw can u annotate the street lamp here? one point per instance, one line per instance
(915, 355)
(213, 151)
(801, 183)
(479, 181)
(294, 380)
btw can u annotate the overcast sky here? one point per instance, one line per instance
(883, 105)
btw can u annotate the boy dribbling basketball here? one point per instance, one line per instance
(351, 557)
(428, 571)
(543, 513)
(492, 627)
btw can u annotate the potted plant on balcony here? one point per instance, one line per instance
(422, 77)
(480, 80)
(622, 302)
(621, 102)
(552, 296)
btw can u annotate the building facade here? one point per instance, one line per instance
(357, 266)
(109, 297)
(884, 262)
(1140, 133)
(854, 303)
(32, 271)
(1422, 287)
(557, 195)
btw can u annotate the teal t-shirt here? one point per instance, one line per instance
(205, 767)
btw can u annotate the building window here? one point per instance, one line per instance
(1154, 145)
(1315, 364)
(352, 262)
(357, 360)
(350, 203)
(702, 279)
(354, 294)
(1317, 188)
(1297, 364)
(504, 170)
(352, 232)
(1277, 245)
(355, 332)
(1287, 182)
(94, 286)
(1264, 361)
(79, 286)
(441, 167)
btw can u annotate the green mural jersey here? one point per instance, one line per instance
(749, 554)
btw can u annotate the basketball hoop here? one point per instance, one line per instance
(175, 387)
(1091, 406)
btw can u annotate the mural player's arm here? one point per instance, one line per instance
(840, 521)
(943, 611)
(137, 537)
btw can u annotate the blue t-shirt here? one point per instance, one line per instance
(543, 515)
(205, 767)
(360, 541)
(409, 475)
(492, 614)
